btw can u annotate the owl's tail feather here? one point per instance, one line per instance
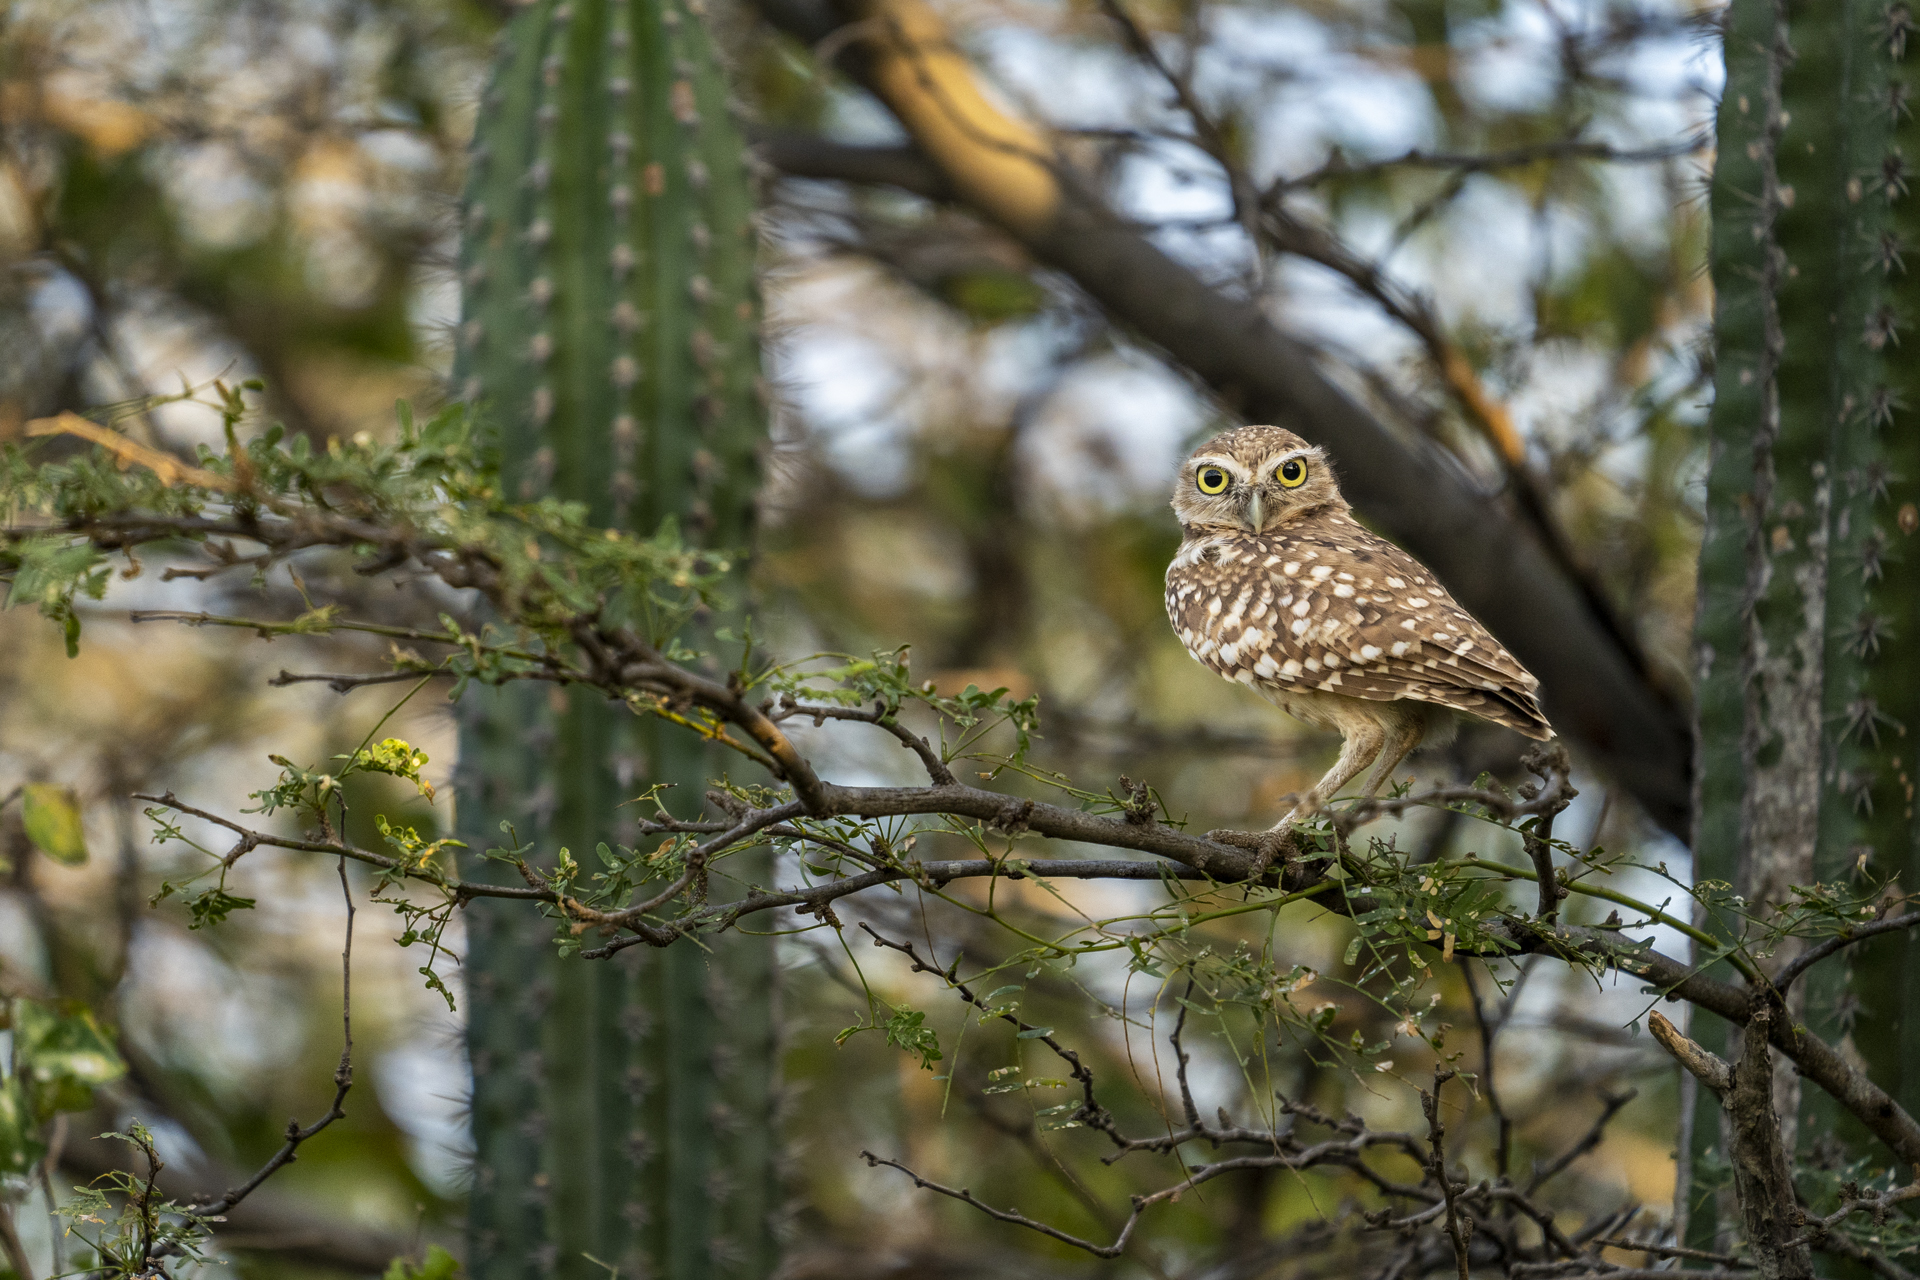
(1510, 708)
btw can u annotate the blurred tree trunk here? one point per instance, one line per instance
(1808, 633)
(622, 1110)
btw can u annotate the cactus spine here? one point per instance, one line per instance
(1808, 634)
(622, 1110)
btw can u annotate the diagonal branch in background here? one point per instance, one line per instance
(1596, 689)
(1267, 220)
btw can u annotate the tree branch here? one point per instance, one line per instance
(1846, 938)
(1459, 1225)
(1703, 1064)
(1338, 166)
(806, 155)
(1014, 1216)
(1819, 1061)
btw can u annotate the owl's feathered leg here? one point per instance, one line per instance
(1365, 739)
(1402, 737)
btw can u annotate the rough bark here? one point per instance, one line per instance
(1762, 1178)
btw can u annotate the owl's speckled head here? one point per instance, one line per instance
(1254, 479)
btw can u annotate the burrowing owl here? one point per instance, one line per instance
(1277, 586)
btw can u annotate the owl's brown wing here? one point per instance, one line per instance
(1334, 609)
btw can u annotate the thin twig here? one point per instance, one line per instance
(1859, 1201)
(936, 768)
(966, 1196)
(250, 839)
(347, 684)
(1612, 1103)
(1181, 1060)
(342, 1082)
(1489, 1031)
(1089, 1111)
(1459, 1225)
(144, 1201)
(1847, 937)
(1339, 166)
(1669, 1251)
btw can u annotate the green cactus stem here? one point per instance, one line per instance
(622, 1110)
(1808, 636)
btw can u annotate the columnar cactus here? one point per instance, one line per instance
(622, 1110)
(1809, 624)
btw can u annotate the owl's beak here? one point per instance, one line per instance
(1256, 516)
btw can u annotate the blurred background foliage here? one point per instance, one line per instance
(967, 459)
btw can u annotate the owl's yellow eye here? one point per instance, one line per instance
(1211, 480)
(1292, 473)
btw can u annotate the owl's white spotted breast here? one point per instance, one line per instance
(1325, 606)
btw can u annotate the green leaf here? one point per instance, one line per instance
(18, 1146)
(907, 1029)
(52, 816)
(1034, 1033)
(397, 758)
(992, 297)
(213, 907)
(63, 1054)
(440, 1265)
